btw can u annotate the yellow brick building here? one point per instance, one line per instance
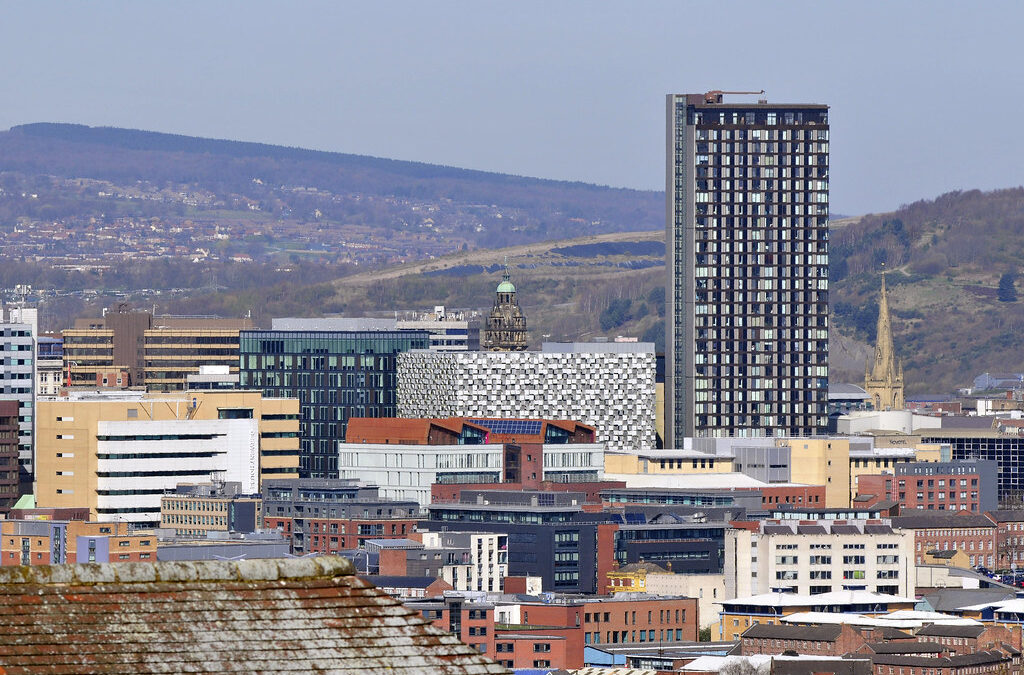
(822, 461)
(194, 511)
(665, 462)
(66, 434)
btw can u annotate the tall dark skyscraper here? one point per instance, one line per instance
(747, 233)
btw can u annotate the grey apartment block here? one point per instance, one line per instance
(609, 390)
(770, 464)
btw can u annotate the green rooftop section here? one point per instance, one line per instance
(26, 502)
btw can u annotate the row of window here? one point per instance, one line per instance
(770, 119)
(616, 637)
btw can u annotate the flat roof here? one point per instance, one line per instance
(832, 598)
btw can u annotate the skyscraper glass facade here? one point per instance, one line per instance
(334, 374)
(747, 231)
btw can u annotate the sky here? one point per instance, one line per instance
(923, 95)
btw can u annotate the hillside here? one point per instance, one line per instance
(94, 216)
(945, 260)
(91, 216)
(374, 210)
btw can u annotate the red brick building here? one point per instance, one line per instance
(933, 650)
(450, 492)
(615, 621)
(529, 647)
(470, 620)
(330, 535)
(968, 485)
(978, 663)
(799, 495)
(933, 530)
(322, 515)
(826, 640)
(970, 639)
(8, 456)
(1009, 538)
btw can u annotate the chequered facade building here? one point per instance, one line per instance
(611, 390)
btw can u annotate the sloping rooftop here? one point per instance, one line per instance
(942, 555)
(952, 599)
(826, 633)
(844, 391)
(1007, 515)
(935, 630)
(294, 615)
(644, 567)
(905, 647)
(1011, 606)
(936, 519)
(407, 431)
(908, 619)
(960, 661)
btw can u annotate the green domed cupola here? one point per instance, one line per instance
(506, 286)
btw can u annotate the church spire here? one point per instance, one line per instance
(885, 359)
(883, 377)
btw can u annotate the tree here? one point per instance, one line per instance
(656, 334)
(616, 314)
(1007, 292)
(656, 298)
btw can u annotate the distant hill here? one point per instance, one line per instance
(475, 207)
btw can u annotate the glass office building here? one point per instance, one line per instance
(747, 294)
(334, 374)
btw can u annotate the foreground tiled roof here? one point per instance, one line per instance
(293, 615)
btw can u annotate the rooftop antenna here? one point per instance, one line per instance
(22, 291)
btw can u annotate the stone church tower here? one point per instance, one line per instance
(506, 325)
(883, 377)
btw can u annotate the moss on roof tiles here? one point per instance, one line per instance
(293, 615)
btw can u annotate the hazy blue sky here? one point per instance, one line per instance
(925, 96)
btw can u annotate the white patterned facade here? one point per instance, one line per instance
(608, 386)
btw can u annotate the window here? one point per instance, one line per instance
(541, 646)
